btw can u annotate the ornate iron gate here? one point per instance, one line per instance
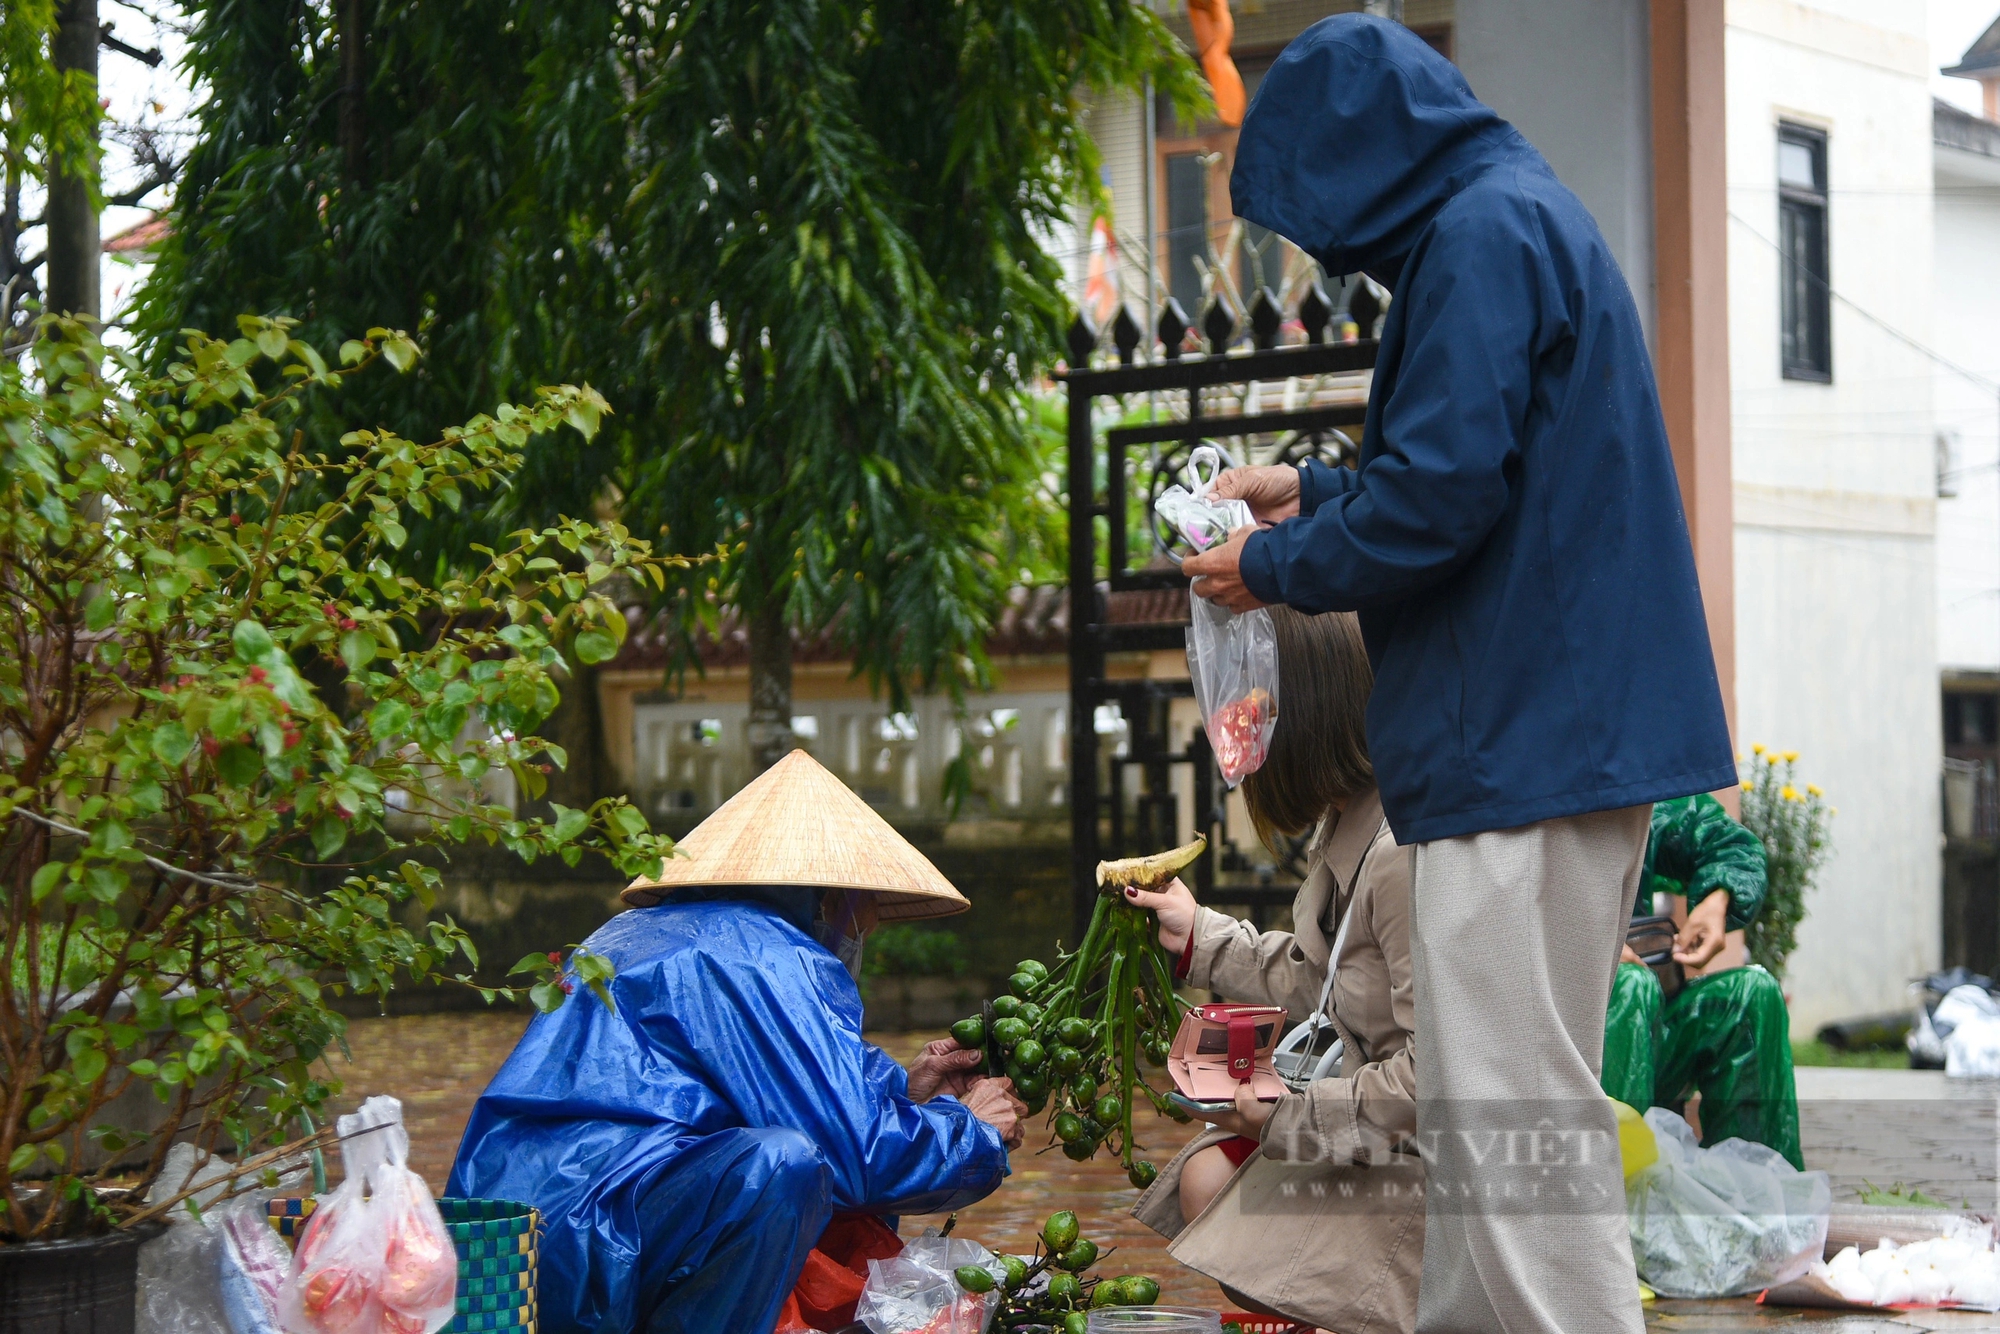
(1122, 804)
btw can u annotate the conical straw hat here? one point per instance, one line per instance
(799, 825)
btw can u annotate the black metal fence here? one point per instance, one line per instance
(1125, 803)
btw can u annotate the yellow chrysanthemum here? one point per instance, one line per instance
(1749, 786)
(1770, 759)
(1815, 789)
(1791, 756)
(1789, 793)
(1757, 749)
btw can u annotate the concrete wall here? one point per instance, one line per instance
(1592, 118)
(1835, 511)
(1968, 413)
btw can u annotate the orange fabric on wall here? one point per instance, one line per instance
(1214, 27)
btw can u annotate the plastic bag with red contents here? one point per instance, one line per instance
(375, 1257)
(1234, 663)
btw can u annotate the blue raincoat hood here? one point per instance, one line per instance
(1358, 135)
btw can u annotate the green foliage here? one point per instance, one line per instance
(903, 950)
(1809, 1051)
(232, 723)
(1793, 825)
(44, 113)
(797, 243)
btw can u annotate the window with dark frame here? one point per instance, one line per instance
(1805, 324)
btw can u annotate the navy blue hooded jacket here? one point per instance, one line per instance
(1513, 538)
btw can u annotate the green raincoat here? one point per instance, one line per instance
(1725, 1035)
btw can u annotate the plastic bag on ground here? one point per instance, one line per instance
(1198, 518)
(1723, 1221)
(375, 1257)
(1967, 1020)
(1959, 1268)
(1233, 661)
(192, 1280)
(917, 1292)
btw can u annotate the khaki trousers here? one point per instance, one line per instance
(1514, 937)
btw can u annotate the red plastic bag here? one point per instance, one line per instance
(375, 1257)
(830, 1284)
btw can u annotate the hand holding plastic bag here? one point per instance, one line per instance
(917, 1292)
(1197, 517)
(375, 1257)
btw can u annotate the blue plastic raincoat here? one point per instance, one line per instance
(1513, 537)
(687, 1150)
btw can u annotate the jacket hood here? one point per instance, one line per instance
(1357, 136)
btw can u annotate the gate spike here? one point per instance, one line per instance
(1267, 317)
(1364, 307)
(1082, 339)
(1174, 326)
(1219, 325)
(1315, 312)
(1125, 333)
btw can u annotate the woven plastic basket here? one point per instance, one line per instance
(1264, 1324)
(498, 1244)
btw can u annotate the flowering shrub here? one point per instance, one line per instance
(213, 680)
(1793, 825)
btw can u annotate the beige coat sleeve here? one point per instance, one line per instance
(1372, 1106)
(1233, 959)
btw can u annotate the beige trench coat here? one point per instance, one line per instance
(1326, 1223)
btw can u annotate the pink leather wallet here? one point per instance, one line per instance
(1221, 1046)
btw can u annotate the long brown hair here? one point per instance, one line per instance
(1319, 748)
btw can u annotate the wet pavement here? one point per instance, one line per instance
(438, 1064)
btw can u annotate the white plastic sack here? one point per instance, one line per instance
(1968, 1022)
(1957, 1269)
(1233, 661)
(1723, 1221)
(375, 1257)
(1196, 516)
(918, 1290)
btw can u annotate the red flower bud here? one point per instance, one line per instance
(258, 675)
(211, 747)
(236, 521)
(555, 957)
(291, 738)
(568, 986)
(348, 622)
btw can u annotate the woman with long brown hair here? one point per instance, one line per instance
(1311, 1207)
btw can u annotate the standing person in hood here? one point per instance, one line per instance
(1514, 544)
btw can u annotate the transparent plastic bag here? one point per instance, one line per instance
(917, 1292)
(196, 1278)
(1234, 663)
(375, 1257)
(1196, 517)
(1723, 1221)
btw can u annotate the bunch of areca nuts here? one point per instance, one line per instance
(1057, 1304)
(1073, 1036)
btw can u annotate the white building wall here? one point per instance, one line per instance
(1835, 483)
(1594, 123)
(1968, 409)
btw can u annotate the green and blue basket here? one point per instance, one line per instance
(498, 1248)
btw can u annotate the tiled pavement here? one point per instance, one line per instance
(1878, 1126)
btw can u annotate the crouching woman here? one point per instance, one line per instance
(1311, 1207)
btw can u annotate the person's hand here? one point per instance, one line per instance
(1247, 1118)
(1218, 573)
(1630, 955)
(1272, 490)
(993, 1101)
(1176, 909)
(1705, 933)
(943, 1067)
